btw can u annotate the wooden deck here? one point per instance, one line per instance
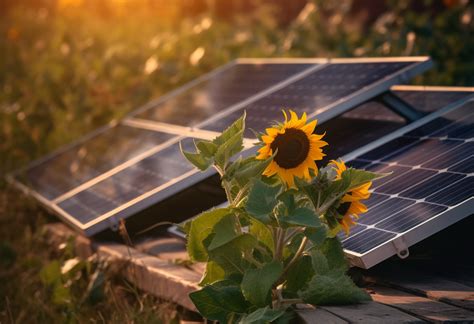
(401, 294)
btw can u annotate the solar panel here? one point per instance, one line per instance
(116, 194)
(72, 166)
(325, 92)
(226, 87)
(431, 187)
(135, 165)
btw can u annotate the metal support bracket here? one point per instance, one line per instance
(401, 247)
(399, 106)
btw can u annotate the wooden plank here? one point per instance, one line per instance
(312, 315)
(430, 310)
(159, 277)
(427, 285)
(371, 312)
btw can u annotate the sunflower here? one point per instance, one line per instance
(351, 206)
(296, 149)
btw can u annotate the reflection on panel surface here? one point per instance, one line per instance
(89, 159)
(226, 88)
(138, 179)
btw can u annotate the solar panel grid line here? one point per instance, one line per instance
(181, 89)
(117, 169)
(416, 234)
(356, 154)
(157, 194)
(439, 193)
(259, 95)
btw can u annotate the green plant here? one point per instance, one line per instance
(275, 244)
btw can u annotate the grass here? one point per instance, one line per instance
(67, 67)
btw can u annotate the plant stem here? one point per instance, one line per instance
(295, 258)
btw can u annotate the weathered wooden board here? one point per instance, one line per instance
(319, 315)
(428, 309)
(428, 285)
(371, 312)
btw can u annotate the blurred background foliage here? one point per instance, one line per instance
(69, 66)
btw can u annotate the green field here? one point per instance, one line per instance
(69, 66)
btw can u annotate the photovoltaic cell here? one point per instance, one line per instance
(138, 179)
(432, 173)
(315, 91)
(367, 240)
(86, 160)
(228, 87)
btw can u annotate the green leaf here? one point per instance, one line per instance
(332, 250)
(224, 232)
(303, 216)
(262, 199)
(359, 177)
(196, 159)
(51, 273)
(236, 127)
(333, 288)
(199, 229)
(257, 283)
(212, 274)
(262, 316)
(229, 256)
(228, 149)
(316, 235)
(319, 262)
(218, 301)
(61, 294)
(206, 148)
(299, 275)
(262, 233)
(249, 169)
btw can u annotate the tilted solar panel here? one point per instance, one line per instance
(329, 90)
(226, 87)
(95, 193)
(87, 159)
(431, 187)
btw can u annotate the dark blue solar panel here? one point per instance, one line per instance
(410, 217)
(450, 157)
(391, 170)
(381, 211)
(421, 151)
(432, 185)
(317, 90)
(367, 240)
(432, 171)
(405, 180)
(454, 194)
(464, 166)
(89, 159)
(354, 230)
(130, 183)
(391, 147)
(221, 91)
(375, 199)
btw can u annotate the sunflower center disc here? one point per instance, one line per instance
(292, 146)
